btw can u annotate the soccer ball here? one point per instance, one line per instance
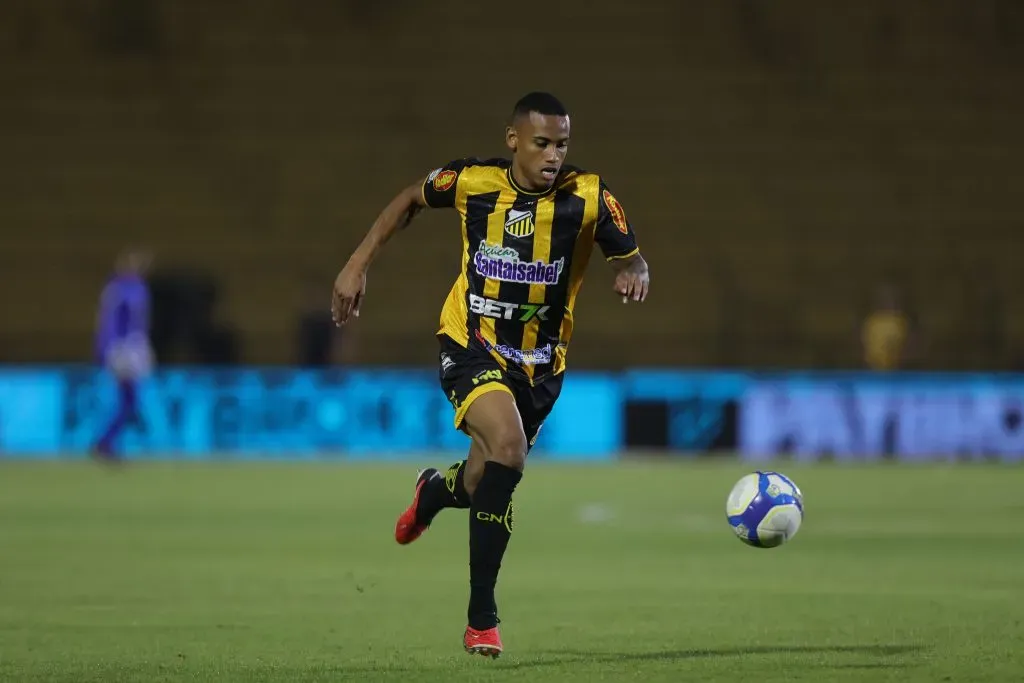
(765, 509)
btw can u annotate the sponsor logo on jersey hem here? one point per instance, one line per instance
(538, 356)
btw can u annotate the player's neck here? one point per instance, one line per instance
(517, 179)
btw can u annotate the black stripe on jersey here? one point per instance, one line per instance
(478, 208)
(511, 331)
(565, 229)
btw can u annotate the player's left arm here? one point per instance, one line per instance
(615, 236)
(632, 278)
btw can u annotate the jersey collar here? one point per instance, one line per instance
(520, 190)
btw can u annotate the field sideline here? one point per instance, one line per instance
(254, 572)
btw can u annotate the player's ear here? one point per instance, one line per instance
(511, 140)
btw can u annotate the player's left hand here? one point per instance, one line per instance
(349, 290)
(633, 280)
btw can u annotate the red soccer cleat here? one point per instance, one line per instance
(486, 643)
(407, 529)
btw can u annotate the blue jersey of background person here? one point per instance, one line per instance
(122, 341)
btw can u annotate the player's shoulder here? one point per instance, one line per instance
(579, 180)
(460, 177)
(486, 171)
(569, 169)
(494, 162)
(462, 163)
(466, 170)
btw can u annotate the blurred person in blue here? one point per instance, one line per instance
(122, 341)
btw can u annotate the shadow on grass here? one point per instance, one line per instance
(558, 657)
(555, 658)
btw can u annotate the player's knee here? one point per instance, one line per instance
(509, 448)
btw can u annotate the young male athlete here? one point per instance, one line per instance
(528, 228)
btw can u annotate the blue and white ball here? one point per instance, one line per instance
(765, 509)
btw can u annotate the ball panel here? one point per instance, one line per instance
(779, 525)
(742, 531)
(758, 508)
(785, 484)
(742, 495)
(778, 485)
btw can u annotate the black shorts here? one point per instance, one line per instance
(466, 374)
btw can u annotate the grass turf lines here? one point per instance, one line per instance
(623, 572)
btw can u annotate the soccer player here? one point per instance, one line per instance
(529, 225)
(122, 342)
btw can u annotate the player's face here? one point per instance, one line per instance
(539, 144)
(139, 261)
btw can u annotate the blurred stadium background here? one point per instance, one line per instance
(829, 197)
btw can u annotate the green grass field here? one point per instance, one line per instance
(626, 572)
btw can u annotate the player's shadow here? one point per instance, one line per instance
(552, 658)
(559, 657)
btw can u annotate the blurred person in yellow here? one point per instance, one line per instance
(886, 331)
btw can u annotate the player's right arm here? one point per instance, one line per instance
(437, 190)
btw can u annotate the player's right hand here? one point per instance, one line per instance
(349, 290)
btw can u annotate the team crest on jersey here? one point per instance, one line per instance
(444, 180)
(616, 212)
(519, 223)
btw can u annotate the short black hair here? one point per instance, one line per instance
(540, 102)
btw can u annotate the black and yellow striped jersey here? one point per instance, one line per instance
(524, 257)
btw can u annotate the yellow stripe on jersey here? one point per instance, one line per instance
(454, 313)
(587, 190)
(541, 252)
(492, 287)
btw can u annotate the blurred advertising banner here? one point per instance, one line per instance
(913, 417)
(374, 413)
(351, 413)
(680, 411)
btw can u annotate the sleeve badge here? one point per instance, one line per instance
(444, 180)
(616, 212)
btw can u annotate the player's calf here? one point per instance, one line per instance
(494, 424)
(491, 520)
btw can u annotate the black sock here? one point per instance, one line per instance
(490, 526)
(440, 492)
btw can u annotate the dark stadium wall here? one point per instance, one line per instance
(777, 160)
